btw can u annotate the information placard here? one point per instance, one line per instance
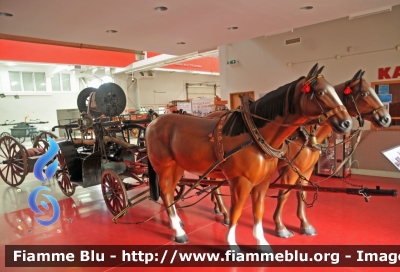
(393, 155)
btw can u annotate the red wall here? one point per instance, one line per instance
(206, 64)
(33, 52)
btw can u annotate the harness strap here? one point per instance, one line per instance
(255, 133)
(217, 138)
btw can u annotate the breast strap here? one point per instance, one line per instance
(255, 133)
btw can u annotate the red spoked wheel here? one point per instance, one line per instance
(13, 161)
(114, 192)
(41, 140)
(63, 178)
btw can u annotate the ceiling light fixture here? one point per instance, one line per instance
(307, 8)
(233, 28)
(161, 8)
(111, 31)
(181, 43)
(369, 12)
(5, 14)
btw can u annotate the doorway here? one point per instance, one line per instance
(235, 99)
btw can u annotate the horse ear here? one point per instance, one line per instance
(320, 70)
(356, 76)
(312, 71)
(362, 74)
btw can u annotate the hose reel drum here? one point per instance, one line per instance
(109, 99)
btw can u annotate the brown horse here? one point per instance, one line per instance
(367, 103)
(180, 142)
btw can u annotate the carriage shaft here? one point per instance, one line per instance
(351, 191)
(189, 181)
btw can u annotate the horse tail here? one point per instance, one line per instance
(153, 182)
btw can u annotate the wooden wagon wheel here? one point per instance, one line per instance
(14, 161)
(63, 177)
(41, 140)
(33, 137)
(4, 134)
(114, 192)
(21, 139)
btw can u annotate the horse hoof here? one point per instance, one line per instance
(309, 231)
(284, 233)
(226, 222)
(217, 212)
(265, 249)
(183, 239)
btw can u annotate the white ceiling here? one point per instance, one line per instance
(201, 24)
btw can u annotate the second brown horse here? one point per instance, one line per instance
(367, 104)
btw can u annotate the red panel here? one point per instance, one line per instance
(32, 52)
(207, 64)
(152, 54)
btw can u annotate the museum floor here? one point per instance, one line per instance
(340, 219)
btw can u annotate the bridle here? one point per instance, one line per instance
(346, 96)
(321, 119)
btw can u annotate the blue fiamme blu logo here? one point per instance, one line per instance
(38, 173)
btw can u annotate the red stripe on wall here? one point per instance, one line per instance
(33, 52)
(206, 64)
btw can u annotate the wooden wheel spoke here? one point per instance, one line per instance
(17, 166)
(13, 176)
(2, 151)
(8, 168)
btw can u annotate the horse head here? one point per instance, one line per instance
(320, 100)
(361, 100)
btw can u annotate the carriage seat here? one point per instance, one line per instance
(81, 141)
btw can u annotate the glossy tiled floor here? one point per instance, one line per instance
(340, 219)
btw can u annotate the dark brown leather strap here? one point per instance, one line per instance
(218, 146)
(255, 133)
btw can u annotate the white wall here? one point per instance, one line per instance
(164, 87)
(262, 66)
(35, 105)
(263, 61)
(44, 105)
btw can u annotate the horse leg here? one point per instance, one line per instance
(240, 188)
(216, 207)
(168, 180)
(258, 198)
(281, 231)
(222, 207)
(305, 226)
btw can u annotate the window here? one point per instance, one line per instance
(15, 81)
(60, 82)
(27, 81)
(389, 93)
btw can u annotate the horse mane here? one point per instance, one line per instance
(269, 106)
